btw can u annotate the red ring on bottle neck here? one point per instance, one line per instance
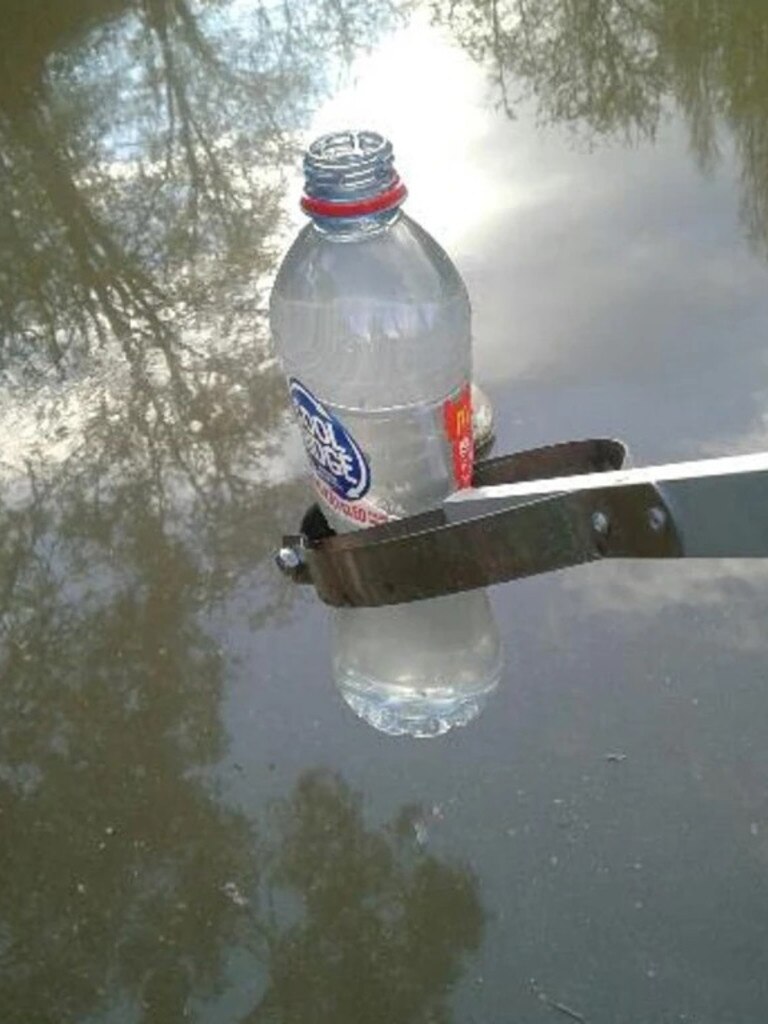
(394, 195)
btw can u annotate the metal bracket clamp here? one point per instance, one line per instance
(429, 555)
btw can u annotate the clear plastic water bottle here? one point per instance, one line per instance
(371, 321)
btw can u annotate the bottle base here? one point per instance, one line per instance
(410, 713)
(417, 669)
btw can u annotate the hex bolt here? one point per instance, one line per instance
(288, 560)
(657, 518)
(600, 523)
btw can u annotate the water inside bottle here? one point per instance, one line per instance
(419, 669)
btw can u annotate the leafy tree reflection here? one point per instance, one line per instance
(137, 136)
(141, 147)
(111, 852)
(384, 924)
(140, 151)
(614, 66)
(126, 883)
(128, 886)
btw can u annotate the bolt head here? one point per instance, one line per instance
(600, 523)
(657, 518)
(288, 559)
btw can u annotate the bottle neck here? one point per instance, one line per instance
(352, 190)
(356, 229)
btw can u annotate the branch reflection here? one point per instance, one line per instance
(141, 146)
(614, 67)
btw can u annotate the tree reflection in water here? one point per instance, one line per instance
(141, 146)
(384, 925)
(141, 152)
(617, 67)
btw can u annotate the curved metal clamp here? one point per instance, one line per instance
(488, 535)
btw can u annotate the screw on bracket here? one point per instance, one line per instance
(288, 560)
(657, 518)
(601, 524)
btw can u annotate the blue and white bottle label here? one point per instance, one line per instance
(335, 456)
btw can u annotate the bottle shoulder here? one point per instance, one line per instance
(401, 262)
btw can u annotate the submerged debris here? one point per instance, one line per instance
(562, 1008)
(232, 893)
(555, 1004)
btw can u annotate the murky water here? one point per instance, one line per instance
(193, 824)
